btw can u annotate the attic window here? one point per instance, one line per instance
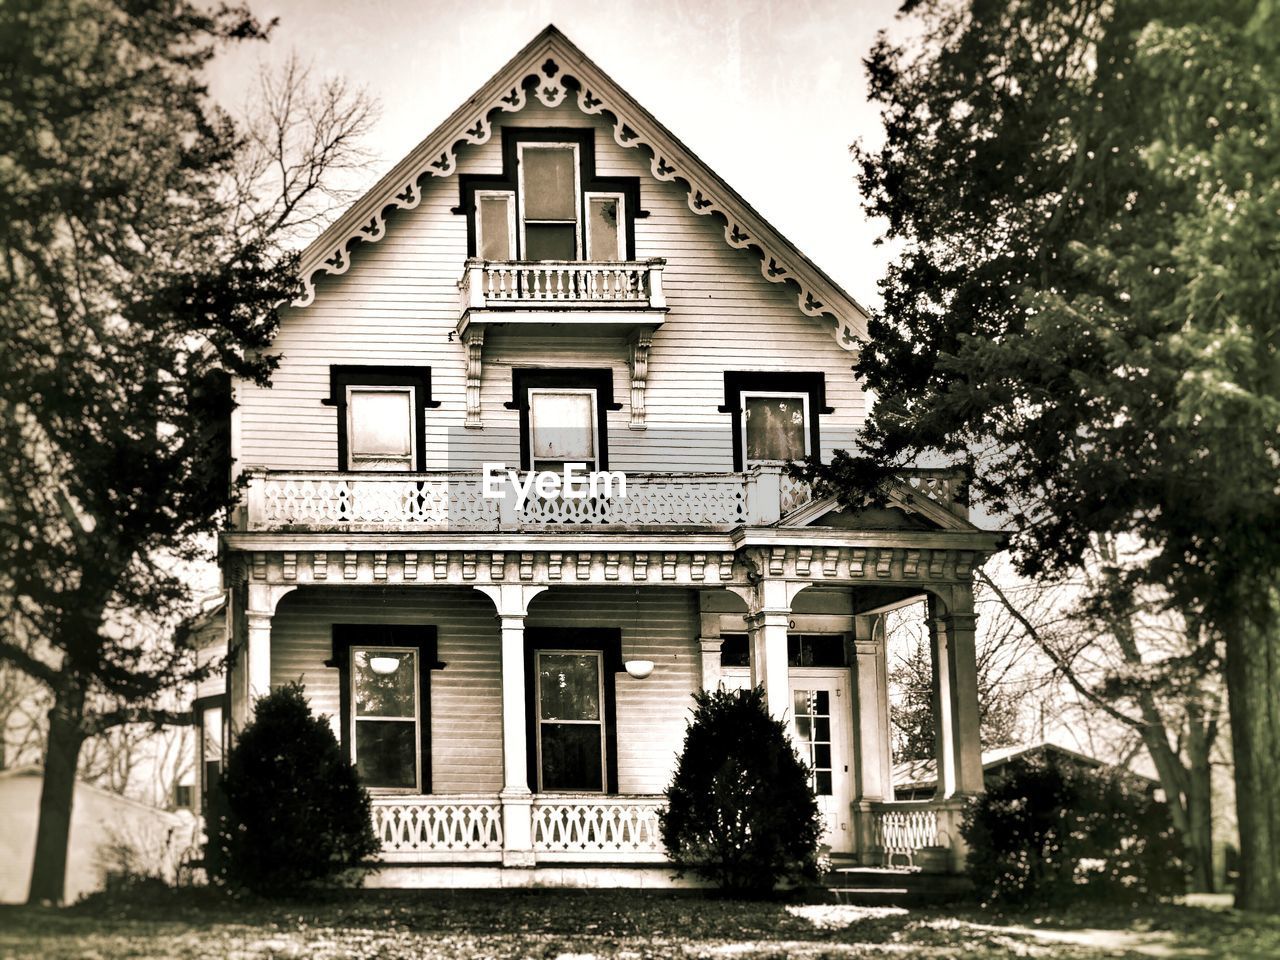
(549, 200)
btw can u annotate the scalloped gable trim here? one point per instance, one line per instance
(553, 70)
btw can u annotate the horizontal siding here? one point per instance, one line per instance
(466, 696)
(398, 304)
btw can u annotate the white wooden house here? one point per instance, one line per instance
(552, 277)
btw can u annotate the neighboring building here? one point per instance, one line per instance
(918, 779)
(552, 277)
(107, 831)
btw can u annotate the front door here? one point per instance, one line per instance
(821, 717)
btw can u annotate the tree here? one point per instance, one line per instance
(1084, 311)
(291, 809)
(133, 282)
(1148, 670)
(1007, 677)
(740, 811)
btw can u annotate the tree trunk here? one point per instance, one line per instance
(62, 755)
(1199, 834)
(1253, 688)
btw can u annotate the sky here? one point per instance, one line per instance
(769, 94)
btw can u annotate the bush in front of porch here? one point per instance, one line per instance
(740, 811)
(289, 810)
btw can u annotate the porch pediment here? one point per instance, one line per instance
(904, 509)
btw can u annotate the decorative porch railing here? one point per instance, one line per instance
(277, 500)
(488, 284)
(597, 828)
(438, 827)
(908, 831)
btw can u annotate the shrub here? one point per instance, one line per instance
(289, 810)
(1049, 831)
(739, 809)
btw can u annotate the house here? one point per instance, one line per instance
(918, 779)
(107, 831)
(518, 491)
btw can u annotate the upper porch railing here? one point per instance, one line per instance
(456, 501)
(562, 284)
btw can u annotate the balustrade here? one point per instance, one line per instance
(423, 828)
(562, 283)
(602, 828)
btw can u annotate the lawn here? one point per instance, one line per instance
(582, 924)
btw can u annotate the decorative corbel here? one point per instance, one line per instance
(639, 363)
(473, 340)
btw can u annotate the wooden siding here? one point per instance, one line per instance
(466, 696)
(398, 304)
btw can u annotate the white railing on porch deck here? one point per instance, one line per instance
(597, 828)
(458, 827)
(907, 830)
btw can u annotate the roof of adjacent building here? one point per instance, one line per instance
(923, 774)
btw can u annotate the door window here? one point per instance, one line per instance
(812, 712)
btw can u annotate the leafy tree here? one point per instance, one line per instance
(289, 809)
(139, 268)
(739, 808)
(1084, 311)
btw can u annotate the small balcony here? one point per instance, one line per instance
(623, 296)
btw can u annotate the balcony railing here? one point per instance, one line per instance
(917, 833)
(562, 284)
(456, 501)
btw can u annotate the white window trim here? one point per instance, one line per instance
(600, 721)
(621, 198)
(595, 422)
(507, 195)
(781, 395)
(417, 713)
(412, 460)
(521, 147)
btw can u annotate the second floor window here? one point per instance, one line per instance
(775, 427)
(380, 429)
(549, 193)
(562, 428)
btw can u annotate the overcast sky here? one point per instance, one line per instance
(769, 94)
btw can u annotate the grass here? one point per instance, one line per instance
(579, 924)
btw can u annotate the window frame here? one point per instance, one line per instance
(780, 395)
(736, 382)
(606, 640)
(364, 636)
(343, 376)
(488, 194)
(595, 424)
(411, 460)
(356, 719)
(600, 379)
(600, 722)
(621, 198)
(521, 147)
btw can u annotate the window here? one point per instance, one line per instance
(774, 415)
(548, 203)
(495, 225)
(380, 428)
(385, 703)
(775, 427)
(549, 198)
(570, 716)
(562, 428)
(209, 721)
(605, 239)
(812, 712)
(803, 650)
(381, 416)
(385, 716)
(563, 416)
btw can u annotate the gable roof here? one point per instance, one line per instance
(555, 71)
(923, 774)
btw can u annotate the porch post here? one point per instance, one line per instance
(251, 673)
(873, 757)
(512, 602)
(955, 690)
(768, 624)
(709, 639)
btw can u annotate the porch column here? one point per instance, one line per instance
(767, 623)
(872, 739)
(709, 640)
(512, 602)
(955, 692)
(250, 676)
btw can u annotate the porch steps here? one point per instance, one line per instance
(885, 886)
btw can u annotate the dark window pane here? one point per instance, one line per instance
(387, 753)
(735, 650)
(384, 684)
(550, 241)
(602, 229)
(571, 756)
(816, 650)
(822, 783)
(549, 183)
(822, 755)
(495, 228)
(804, 729)
(822, 729)
(775, 428)
(568, 686)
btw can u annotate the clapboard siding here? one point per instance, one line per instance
(398, 303)
(466, 696)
